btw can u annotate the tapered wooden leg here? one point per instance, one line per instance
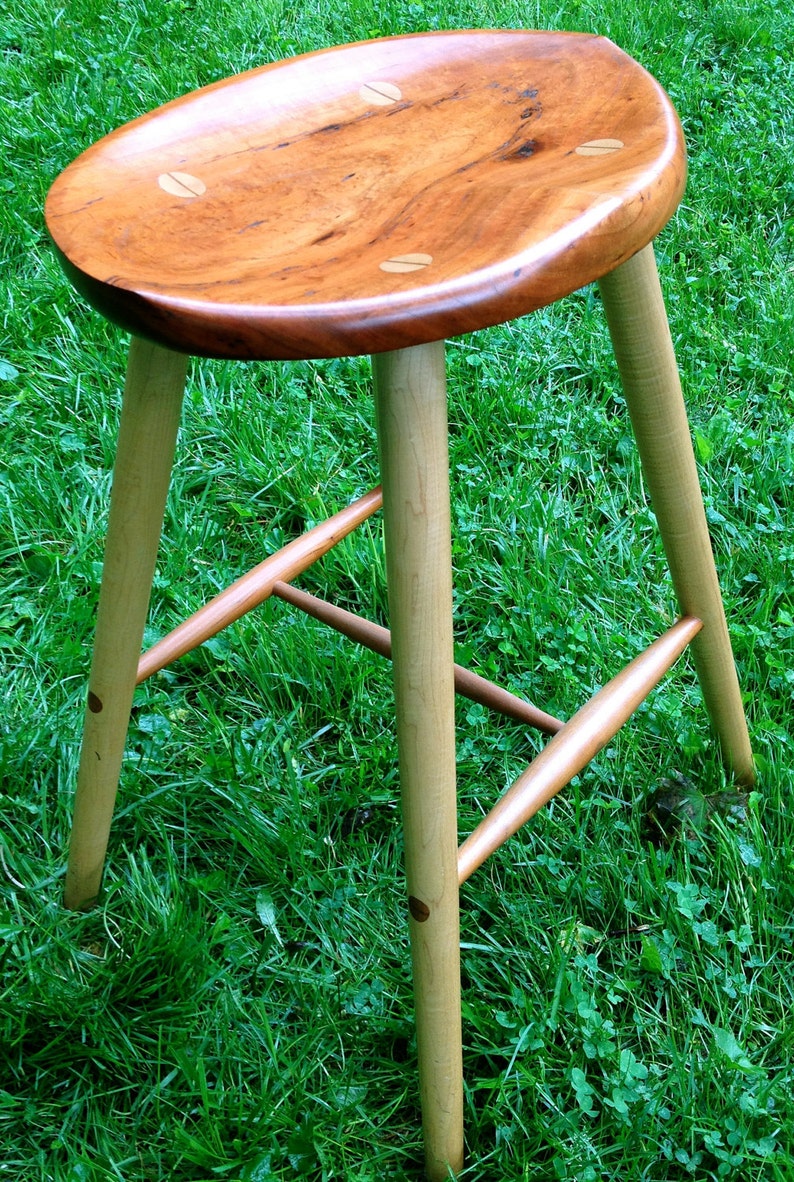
(412, 429)
(145, 453)
(641, 337)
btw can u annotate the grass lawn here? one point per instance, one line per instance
(239, 1006)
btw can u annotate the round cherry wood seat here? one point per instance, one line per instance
(374, 196)
(378, 198)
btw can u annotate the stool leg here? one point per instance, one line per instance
(641, 338)
(410, 391)
(144, 455)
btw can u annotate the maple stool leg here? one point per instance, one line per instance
(144, 456)
(410, 395)
(641, 338)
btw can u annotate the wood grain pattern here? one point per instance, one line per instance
(520, 165)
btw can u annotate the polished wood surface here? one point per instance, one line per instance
(374, 196)
(575, 744)
(256, 585)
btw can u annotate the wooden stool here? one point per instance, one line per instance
(378, 198)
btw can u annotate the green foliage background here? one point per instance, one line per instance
(239, 1006)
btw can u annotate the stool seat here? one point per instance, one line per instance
(374, 196)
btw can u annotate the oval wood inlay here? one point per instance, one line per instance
(401, 264)
(181, 184)
(599, 147)
(380, 94)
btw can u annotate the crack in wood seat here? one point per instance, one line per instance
(378, 198)
(374, 196)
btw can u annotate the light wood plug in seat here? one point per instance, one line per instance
(379, 198)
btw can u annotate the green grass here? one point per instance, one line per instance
(239, 1007)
